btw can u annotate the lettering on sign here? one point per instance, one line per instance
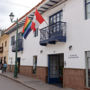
(73, 56)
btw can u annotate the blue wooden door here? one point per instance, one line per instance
(53, 69)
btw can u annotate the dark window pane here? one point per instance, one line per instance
(36, 33)
(87, 1)
(12, 40)
(5, 43)
(87, 9)
(34, 64)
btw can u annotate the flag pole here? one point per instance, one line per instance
(46, 23)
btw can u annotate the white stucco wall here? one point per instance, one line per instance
(77, 29)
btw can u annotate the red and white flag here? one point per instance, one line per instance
(38, 19)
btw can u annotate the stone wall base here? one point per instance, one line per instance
(41, 72)
(10, 68)
(74, 78)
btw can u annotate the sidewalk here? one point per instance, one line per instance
(35, 84)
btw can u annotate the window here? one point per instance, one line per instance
(36, 33)
(55, 17)
(34, 64)
(5, 43)
(54, 22)
(87, 9)
(2, 44)
(0, 60)
(12, 40)
(87, 68)
(4, 59)
(20, 35)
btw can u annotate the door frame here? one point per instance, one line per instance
(18, 63)
(49, 65)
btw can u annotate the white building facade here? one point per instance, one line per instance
(58, 53)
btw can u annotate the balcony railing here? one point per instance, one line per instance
(1, 49)
(19, 45)
(53, 33)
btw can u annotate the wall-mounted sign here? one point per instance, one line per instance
(73, 56)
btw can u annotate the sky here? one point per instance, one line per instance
(18, 7)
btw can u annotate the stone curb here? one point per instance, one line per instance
(18, 81)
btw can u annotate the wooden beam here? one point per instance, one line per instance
(40, 10)
(44, 8)
(48, 4)
(53, 1)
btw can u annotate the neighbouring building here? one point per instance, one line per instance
(4, 42)
(58, 53)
